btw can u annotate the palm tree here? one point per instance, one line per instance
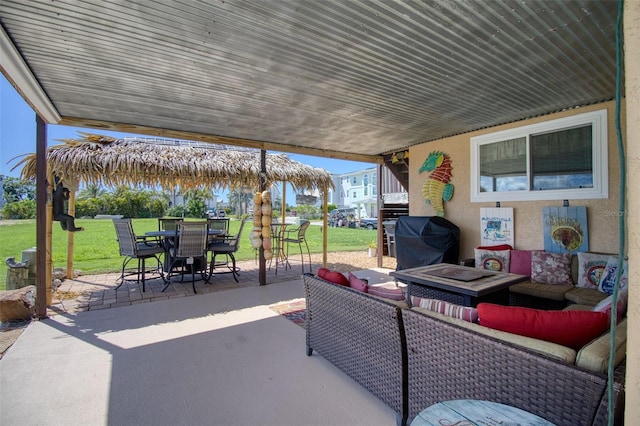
(90, 191)
(240, 200)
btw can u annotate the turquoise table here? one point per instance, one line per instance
(470, 412)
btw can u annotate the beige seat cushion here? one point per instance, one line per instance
(545, 291)
(575, 307)
(585, 296)
(553, 350)
(595, 355)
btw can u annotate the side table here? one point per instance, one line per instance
(470, 412)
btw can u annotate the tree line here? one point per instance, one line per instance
(20, 202)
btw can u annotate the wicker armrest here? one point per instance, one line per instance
(361, 335)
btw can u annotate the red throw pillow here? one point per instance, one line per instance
(333, 276)
(496, 247)
(573, 329)
(520, 262)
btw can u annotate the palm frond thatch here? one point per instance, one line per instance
(106, 161)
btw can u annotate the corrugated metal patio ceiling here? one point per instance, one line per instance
(352, 77)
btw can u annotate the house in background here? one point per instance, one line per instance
(359, 190)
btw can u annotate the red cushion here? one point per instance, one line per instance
(497, 247)
(333, 276)
(520, 262)
(573, 329)
(357, 284)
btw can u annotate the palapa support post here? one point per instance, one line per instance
(283, 215)
(325, 223)
(70, 235)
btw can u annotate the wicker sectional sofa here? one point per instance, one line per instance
(413, 358)
(537, 294)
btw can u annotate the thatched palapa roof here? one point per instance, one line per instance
(104, 160)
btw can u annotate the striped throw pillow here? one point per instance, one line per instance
(452, 310)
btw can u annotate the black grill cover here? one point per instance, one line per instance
(426, 240)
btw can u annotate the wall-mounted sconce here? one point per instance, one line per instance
(565, 203)
(497, 204)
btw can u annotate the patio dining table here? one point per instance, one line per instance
(278, 231)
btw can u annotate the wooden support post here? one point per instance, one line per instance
(280, 255)
(49, 233)
(380, 235)
(325, 225)
(70, 235)
(262, 273)
(43, 293)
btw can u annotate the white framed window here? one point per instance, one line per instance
(554, 160)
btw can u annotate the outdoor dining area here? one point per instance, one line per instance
(198, 249)
(105, 161)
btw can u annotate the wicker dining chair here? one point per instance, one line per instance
(226, 246)
(218, 224)
(169, 224)
(139, 248)
(190, 251)
(297, 236)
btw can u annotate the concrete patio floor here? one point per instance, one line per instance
(95, 292)
(219, 357)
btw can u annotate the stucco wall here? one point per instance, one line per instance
(601, 213)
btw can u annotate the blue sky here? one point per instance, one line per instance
(18, 132)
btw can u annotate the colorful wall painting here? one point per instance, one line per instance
(565, 229)
(496, 226)
(437, 189)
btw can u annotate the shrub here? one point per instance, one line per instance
(24, 209)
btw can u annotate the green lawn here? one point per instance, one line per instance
(96, 248)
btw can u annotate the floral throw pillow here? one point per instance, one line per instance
(551, 268)
(493, 260)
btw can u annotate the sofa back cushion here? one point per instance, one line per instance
(573, 329)
(553, 350)
(595, 355)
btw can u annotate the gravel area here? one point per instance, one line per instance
(353, 261)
